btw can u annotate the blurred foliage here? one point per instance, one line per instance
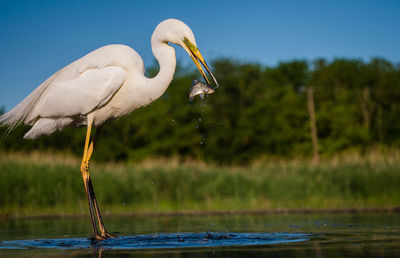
(257, 112)
(50, 185)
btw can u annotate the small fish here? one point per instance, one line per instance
(199, 88)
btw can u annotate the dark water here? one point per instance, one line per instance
(298, 235)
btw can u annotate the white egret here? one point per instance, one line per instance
(104, 84)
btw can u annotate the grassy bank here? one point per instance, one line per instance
(44, 184)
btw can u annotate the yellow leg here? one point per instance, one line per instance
(93, 143)
(93, 206)
(85, 177)
(103, 232)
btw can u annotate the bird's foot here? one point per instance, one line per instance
(101, 237)
(108, 235)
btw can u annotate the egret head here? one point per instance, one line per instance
(178, 33)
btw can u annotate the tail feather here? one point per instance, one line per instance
(21, 113)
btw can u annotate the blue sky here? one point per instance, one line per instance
(39, 37)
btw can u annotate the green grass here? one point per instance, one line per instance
(34, 185)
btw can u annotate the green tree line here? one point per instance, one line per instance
(258, 111)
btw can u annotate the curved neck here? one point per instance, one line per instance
(165, 56)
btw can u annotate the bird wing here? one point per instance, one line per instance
(92, 89)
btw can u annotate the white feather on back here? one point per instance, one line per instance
(79, 96)
(67, 100)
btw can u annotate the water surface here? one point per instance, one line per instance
(295, 235)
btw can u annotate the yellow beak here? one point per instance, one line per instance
(199, 60)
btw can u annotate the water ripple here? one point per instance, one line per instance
(161, 240)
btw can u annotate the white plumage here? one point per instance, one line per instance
(83, 87)
(106, 83)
